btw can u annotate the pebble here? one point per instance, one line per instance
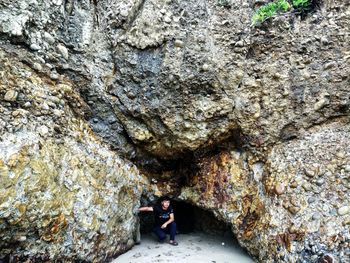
(179, 43)
(205, 67)
(11, 95)
(320, 182)
(54, 76)
(343, 210)
(37, 66)
(49, 38)
(294, 209)
(63, 50)
(294, 184)
(280, 189)
(309, 173)
(43, 130)
(333, 212)
(347, 168)
(346, 221)
(34, 47)
(340, 154)
(22, 238)
(57, 2)
(27, 104)
(292, 229)
(324, 40)
(316, 216)
(330, 65)
(306, 186)
(44, 106)
(124, 12)
(311, 199)
(57, 112)
(328, 174)
(167, 19)
(321, 103)
(239, 44)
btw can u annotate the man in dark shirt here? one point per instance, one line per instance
(164, 219)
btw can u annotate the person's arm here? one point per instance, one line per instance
(171, 219)
(146, 208)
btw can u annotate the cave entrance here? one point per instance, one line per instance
(189, 219)
(201, 236)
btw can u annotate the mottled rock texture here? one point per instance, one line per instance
(295, 205)
(160, 81)
(63, 194)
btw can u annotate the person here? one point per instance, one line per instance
(164, 219)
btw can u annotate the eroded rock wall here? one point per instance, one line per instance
(292, 208)
(64, 195)
(159, 81)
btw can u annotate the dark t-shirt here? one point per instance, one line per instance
(160, 215)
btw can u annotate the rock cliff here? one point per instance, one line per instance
(248, 121)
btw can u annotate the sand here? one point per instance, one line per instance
(192, 248)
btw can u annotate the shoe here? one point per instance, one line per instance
(161, 241)
(173, 242)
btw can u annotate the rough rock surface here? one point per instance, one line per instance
(63, 194)
(160, 80)
(295, 205)
(202, 72)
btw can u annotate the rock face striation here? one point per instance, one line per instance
(259, 112)
(294, 205)
(64, 195)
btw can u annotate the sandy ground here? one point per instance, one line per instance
(192, 248)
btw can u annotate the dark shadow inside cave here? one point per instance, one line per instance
(193, 221)
(189, 219)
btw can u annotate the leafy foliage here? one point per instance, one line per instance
(301, 3)
(270, 10)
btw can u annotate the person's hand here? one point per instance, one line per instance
(163, 226)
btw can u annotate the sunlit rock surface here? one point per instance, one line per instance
(160, 82)
(63, 194)
(292, 208)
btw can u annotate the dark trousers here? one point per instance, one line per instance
(161, 233)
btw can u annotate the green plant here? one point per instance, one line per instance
(301, 3)
(270, 10)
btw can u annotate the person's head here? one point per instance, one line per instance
(164, 202)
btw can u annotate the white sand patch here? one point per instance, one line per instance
(192, 248)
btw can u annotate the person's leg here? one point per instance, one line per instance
(172, 231)
(159, 233)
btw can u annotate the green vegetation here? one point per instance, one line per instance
(273, 8)
(300, 3)
(270, 10)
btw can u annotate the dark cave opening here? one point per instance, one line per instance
(193, 221)
(189, 219)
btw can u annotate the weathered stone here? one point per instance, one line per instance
(49, 38)
(63, 50)
(294, 209)
(343, 210)
(11, 95)
(35, 47)
(275, 94)
(280, 188)
(60, 198)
